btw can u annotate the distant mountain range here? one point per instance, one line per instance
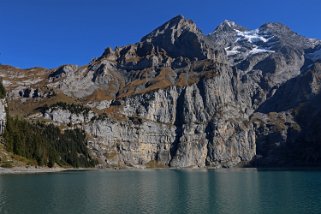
(179, 98)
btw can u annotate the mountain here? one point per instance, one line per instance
(179, 98)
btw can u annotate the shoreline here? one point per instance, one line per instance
(37, 170)
(40, 170)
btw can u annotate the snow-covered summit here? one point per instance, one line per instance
(241, 43)
(225, 27)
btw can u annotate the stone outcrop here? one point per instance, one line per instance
(3, 115)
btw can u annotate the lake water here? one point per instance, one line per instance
(163, 191)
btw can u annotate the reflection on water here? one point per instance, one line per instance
(163, 191)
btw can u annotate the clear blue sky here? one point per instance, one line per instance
(49, 33)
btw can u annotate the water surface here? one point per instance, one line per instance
(163, 191)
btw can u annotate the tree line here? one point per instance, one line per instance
(47, 144)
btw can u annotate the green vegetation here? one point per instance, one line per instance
(155, 164)
(102, 116)
(47, 144)
(6, 164)
(2, 90)
(73, 108)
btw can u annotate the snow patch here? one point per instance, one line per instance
(233, 51)
(251, 36)
(255, 39)
(315, 42)
(257, 50)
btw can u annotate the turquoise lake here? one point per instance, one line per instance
(163, 191)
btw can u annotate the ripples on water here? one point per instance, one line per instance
(162, 191)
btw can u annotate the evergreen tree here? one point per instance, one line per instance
(47, 144)
(2, 90)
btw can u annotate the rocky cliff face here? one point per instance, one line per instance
(3, 115)
(180, 98)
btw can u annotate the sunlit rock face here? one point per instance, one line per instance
(3, 115)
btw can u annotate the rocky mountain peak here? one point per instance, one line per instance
(227, 26)
(229, 23)
(275, 27)
(284, 36)
(179, 37)
(174, 27)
